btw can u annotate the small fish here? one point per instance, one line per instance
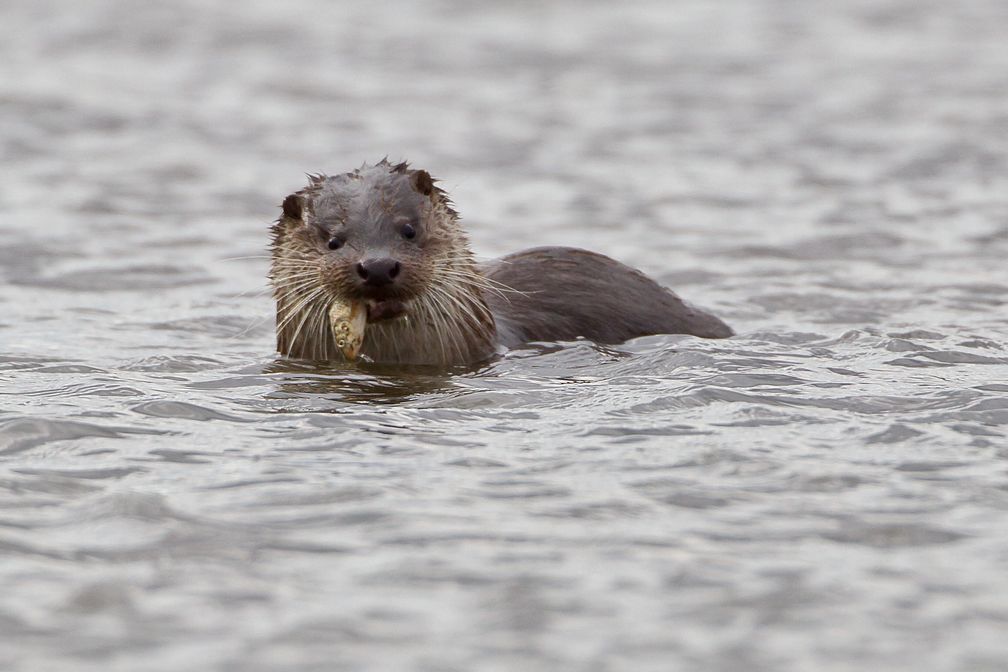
(348, 321)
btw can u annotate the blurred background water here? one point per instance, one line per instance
(826, 491)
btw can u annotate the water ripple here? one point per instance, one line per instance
(26, 433)
(825, 491)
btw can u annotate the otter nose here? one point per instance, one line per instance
(378, 272)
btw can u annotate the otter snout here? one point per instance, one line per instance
(378, 272)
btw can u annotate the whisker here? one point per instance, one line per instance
(486, 283)
(297, 332)
(294, 312)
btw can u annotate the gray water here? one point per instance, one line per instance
(826, 491)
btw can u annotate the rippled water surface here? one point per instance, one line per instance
(826, 491)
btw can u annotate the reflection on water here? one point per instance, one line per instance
(359, 382)
(825, 491)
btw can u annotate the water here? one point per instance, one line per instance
(826, 491)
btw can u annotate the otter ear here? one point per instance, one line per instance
(422, 182)
(292, 206)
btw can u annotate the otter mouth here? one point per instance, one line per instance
(348, 320)
(379, 310)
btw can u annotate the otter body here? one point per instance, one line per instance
(386, 237)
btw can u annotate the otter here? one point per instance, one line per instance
(385, 236)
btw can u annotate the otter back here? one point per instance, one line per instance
(562, 293)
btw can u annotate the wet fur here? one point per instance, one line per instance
(563, 293)
(457, 312)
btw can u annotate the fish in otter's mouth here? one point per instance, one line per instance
(348, 321)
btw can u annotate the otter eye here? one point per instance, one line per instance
(408, 231)
(335, 243)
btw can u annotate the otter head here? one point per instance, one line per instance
(371, 235)
(382, 235)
